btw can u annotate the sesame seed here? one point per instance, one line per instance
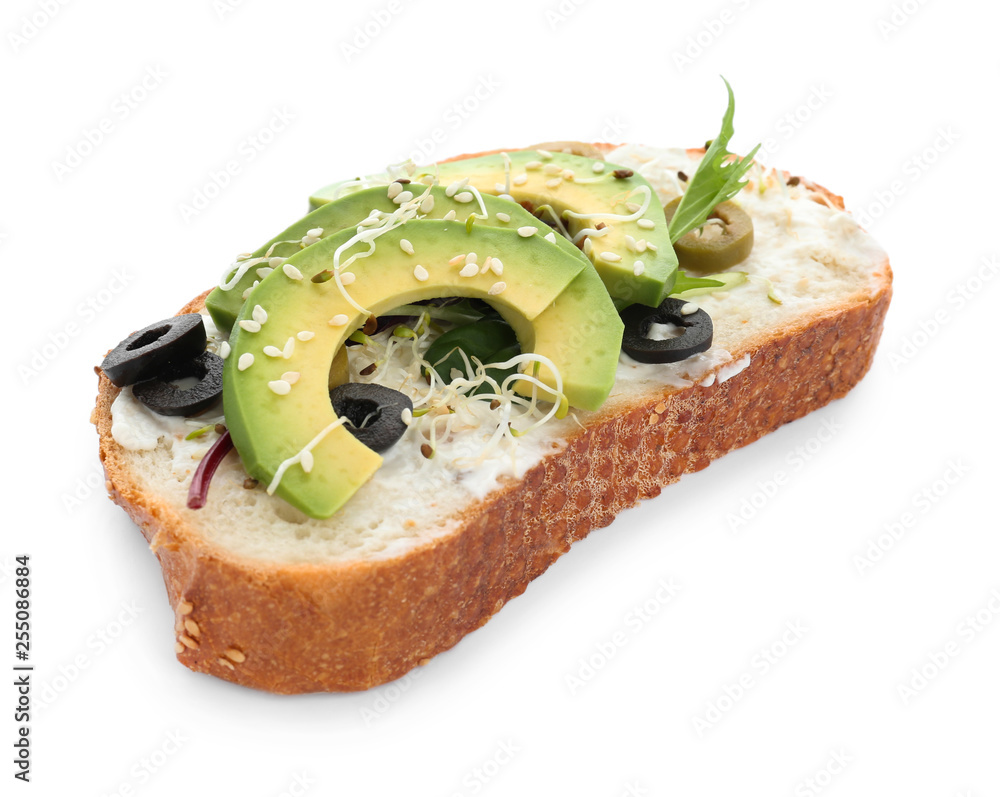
(496, 266)
(506, 197)
(308, 240)
(464, 197)
(456, 186)
(427, 204)
(632, 207)
(263, 271)
(178, 647)
(192, 628)
(551, 237)
(551, 168)
(651, 247)
(369, 221)
(272, 351)
(526, 232)
(275, 262)
(470, 270)
(456, 260)
(289, 349)
(306, 460)
(499, 187)
(521, 179)
(259, 314)
(404, 196)
(450, 215)
(315, 232)
(235, 655)
(597, 168)
(553, 183)
(472, 257)
(610, 257)
(348, 277)
(503, 217)
(185, 608)
(630, 243)
(245, 361)
(394, 190)
(497, 288)
(544, 154)
(688, 308)
(224, 349)
(291, 272)
(280, 386)
(646, 224)
(420, 273)
(641, 245)
(638, 267)
(339, 320)
(533, 165)
(406, 416)
(588, 245)
(406, 246)
(226, 663)
(567, 174)
(305, 334)
(249, 326)
(187, 641)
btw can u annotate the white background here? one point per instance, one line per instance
(95, 244)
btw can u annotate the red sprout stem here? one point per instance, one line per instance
(198, 492)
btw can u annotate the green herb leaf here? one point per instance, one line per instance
(489, 341)
(716, 179)
(695, 286)
(199, 432)
(686, 283)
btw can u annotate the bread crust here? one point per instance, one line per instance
(292, 628)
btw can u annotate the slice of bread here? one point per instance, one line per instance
(428, 551)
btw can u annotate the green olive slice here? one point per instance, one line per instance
(716, 246)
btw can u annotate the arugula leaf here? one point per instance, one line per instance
(716, 179)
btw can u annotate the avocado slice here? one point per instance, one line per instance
(279, 406)
(632, 250)
(348, 211)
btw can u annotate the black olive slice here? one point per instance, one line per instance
(165, 398)
(374, 413)
(695, 335)
(145, 354)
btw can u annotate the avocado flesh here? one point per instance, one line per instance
(586, 192)
(268, 428)
(350, 209)
(584, 335)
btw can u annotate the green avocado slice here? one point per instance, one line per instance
(631, 251)
(348, 211)
(279, 406)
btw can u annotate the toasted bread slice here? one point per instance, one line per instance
(423, 553)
